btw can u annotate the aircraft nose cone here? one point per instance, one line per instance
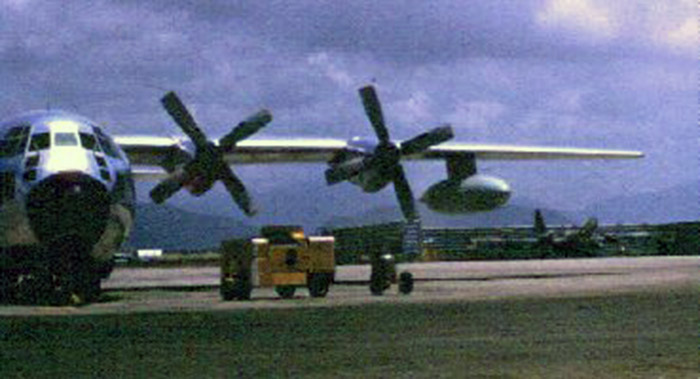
(68, 204)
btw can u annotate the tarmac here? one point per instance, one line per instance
(574, 318)
(138, 290)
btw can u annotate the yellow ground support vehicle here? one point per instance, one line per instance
(282, 258)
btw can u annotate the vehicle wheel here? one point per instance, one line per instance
(227, 290)
(405, 283)
(377, 284)
(318, 285)
(8, 284)
(285, 292)
(239, 289)
(242, 289)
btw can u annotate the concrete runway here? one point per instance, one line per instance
(138, 290)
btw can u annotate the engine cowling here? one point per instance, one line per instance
(476, 193)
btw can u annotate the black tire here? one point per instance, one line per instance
(242, 289)
(319, 285)
(227, 290)
(238, 289)
(90, 289)
(406, 283)
(78, 288)
(285, 292)
(377, 284)
(37, 288)
(8, 284)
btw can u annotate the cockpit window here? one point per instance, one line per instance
(107, 145)
(89, 142)
(15, 141)
(40, 141)
(65, 139)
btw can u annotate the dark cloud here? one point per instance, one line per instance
(424, 32)
(605, 74)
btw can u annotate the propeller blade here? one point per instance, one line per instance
(404, 194)
(168, 187)
(235, 187)
(423, 141)
(344, 171)
(177, 110)
(245, 129)
(374, 112)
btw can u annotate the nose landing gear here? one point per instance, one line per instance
(65, 275)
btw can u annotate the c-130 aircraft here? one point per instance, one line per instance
(67, 187)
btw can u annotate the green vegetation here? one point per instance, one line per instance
(649, 335)
(354, 245)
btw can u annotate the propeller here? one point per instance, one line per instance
(387, 155)
(208, 165)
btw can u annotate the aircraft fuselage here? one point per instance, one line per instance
(66, 195)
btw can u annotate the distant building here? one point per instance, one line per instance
(147, 254)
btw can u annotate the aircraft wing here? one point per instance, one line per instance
(149, 150)
(154, 151)
(149, 153)
(514, 152)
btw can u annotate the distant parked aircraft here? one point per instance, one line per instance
(580, 242)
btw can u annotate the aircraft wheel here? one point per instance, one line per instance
(90, 288)
(319, 285)
(37, 287)
(405, 283)
(285, 292)
(79, 287)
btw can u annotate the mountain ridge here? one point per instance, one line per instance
(171, 227)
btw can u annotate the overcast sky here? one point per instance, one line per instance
(586, 73)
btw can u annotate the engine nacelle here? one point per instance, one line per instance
(476, 193)
(202, 172)
(199, 185)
